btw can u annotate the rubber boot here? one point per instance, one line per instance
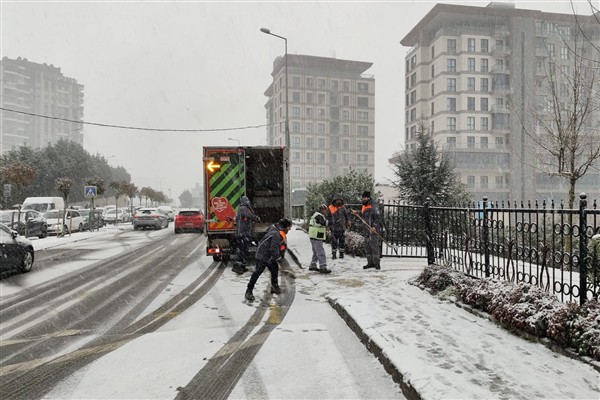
(333, 255)
(313, 267)
(324, 270)
(249, 296)
(275, 289)
(341, 253)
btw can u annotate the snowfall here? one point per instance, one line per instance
(435, 348)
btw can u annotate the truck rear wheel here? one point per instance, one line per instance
(217, 258)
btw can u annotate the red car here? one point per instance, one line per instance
(191, 219)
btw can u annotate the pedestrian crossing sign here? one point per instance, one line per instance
(90, 191)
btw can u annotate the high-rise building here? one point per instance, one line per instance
(36, 90)
(480, 80)
(332, 116)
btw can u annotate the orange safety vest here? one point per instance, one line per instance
(284, 241)
(365, 208)
(333, 209)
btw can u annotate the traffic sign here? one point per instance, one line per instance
(90, 191)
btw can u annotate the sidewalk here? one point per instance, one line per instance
(434, 349)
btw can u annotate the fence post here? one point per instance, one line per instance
(486, 238)
(429, 235)
(582, 249)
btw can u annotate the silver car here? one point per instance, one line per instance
(150, 218)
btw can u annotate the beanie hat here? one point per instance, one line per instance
(366, 194)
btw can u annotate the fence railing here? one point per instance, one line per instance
(549, 246)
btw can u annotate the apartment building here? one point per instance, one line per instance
(331, 107)
(475, 77)
(35, 89)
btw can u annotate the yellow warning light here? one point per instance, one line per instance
(212, 166)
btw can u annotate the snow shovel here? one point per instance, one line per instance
(394, 247)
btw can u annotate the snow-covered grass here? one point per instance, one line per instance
(522, 307)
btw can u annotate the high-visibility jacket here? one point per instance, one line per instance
(316, 226)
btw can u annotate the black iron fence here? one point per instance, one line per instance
(547, 245)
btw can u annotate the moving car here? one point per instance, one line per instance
(26, 222)
(168, 210)
(150, 218)
(16, 252)
(189, 220)
(73, 221)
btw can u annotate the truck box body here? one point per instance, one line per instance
(260, 173)
(43, 204)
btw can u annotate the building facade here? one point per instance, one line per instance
(477, 78)
(331, 104)
(35, 89)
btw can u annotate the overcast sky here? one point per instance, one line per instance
(206, 65)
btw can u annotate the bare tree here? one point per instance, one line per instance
(20, 175)
(566, 109)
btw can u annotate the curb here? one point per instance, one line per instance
(407, 390)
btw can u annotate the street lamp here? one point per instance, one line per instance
(237, 140)
(287, 119)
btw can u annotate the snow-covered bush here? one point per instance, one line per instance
(355, 243)
(523, 307)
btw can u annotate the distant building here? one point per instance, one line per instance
(472, 75)
(38, 89)
(332, 116)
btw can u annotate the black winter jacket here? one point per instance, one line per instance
(272, 246)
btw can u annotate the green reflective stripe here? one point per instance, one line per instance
(228, 182)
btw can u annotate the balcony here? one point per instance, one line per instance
(501, 49)
(501, 89)
(500, 69)
(500, 108)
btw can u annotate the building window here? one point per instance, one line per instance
(451, 46)
(309, 127)
(432, 108)
(321, 98)
(413, 131)
(451, 142)
(413, 97)
(484, 45)
(451, 65)
(321, 143)
(363, 87)
(296, 127)
(362, 159)
(484, 65)
(471, 45)
(309, 170)
(335, 85)
(432, 126)
(320, 128)
(471, 64)
(321, 172)
(362, 115)
(413, 62)
(346, 101)
(564, 53)
(309, 112)
(346, 144)
(432, 89)
(309, 98)
(483, 104)
(484, 123)
(471, 123)
(346, 86)
(346, 130)
(309, 82)
(471, 103)
(345, 115)
(320, 113)
(413, 79)
(362, 130)
(296, 141)
(296, 156)
(296, 112)
(451, 121)
(471, 181)
(484, 142)
(362, 102)
(346, 158)
(499, 143)
(471, 84)
(470, 142)
(451, 104)
(483, 182)
(551, 49)
(321, 83)
(500, 182)
(296, 172)
(362, 145)
(432, 70)
(309, 143)
(432, 52)
(484, 84)
(451, 84)
(295, 81)
(413, 114)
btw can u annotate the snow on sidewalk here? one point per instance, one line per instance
(441, 350)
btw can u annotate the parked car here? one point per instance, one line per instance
(98, 219)
(169, 211)
(16, 252)
(150, 218)
(26, 222)
(73, 221)
(112, 216)
(191, 219)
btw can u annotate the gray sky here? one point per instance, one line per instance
(205, 65)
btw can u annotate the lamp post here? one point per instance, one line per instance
(287, 118)
(236, 140)
(288, 142)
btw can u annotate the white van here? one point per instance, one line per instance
(43, 204)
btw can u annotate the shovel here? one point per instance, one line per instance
(394, 247)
